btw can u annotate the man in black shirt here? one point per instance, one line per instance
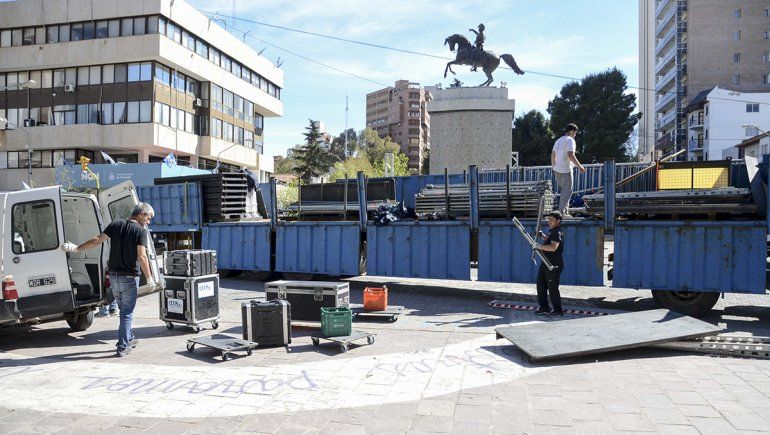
(128, 255)
(548, 280)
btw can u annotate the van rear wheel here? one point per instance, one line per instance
(81, 322)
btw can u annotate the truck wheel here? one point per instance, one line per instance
(81, 322)
(686, 302)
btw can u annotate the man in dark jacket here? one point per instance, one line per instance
(548, 280)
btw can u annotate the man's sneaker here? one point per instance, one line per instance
(113, 313)
(133, 342)
(123, 352)
(554, 313)
(101, 314)
(541, 312)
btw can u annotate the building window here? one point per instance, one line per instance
(766, 79)
(752, 107)
(737, 13)
(736, 79)
(736, 57)
(126, 27)
(751, 131)
(28, 37)
(119, 113)
(64, 114)
(767, 12)
(766, 35)
(102, 29)
(766, 56)
(737, 35)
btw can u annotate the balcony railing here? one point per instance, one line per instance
(664, 101)
(665, 39)
(662, 5)
(665, 59)
(695, 145)
(662, 24)
(667, 79)
(667, 119)
(664, 143)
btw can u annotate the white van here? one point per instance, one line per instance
(42, 283)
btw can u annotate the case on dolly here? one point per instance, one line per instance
(192, 301)
(308, 297)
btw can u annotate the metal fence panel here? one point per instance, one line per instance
(505, 256)
(683, 255)
(329, 248)
(177, 206)
(239, 246)
(419, 249)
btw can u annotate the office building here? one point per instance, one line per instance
(702, 44)
(400, 112)
(137, 80)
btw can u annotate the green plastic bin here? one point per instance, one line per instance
(336, 322)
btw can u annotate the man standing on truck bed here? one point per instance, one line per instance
(562, 161)
(128, 254)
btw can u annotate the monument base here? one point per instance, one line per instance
(470, 126)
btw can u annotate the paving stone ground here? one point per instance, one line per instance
(438, 369)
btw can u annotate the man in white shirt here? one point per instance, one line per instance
(563, 160)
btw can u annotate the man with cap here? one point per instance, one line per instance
(548, 280)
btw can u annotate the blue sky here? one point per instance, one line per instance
(564, 37)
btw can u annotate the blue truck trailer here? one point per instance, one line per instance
(686, 263)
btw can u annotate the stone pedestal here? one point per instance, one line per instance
(469, 126)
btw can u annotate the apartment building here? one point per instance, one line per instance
(646, 137)
(701, 44)
(136, 80)
(719, 119)
(400, 112)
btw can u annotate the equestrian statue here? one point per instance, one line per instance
(476, 56)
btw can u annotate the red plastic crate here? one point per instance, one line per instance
(376, 298)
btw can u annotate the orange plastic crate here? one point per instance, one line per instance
(376, 298)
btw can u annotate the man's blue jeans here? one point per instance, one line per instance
(124, 288)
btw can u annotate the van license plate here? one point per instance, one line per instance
(41, 281)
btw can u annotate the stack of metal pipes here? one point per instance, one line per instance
(520, 199)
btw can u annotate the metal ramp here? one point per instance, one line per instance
(571, 338)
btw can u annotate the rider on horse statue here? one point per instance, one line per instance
(480, 38)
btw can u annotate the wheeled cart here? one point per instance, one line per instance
(225, 346)
(344, 340)
(391, 313)
(190, 301)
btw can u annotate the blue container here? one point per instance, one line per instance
(239, 246)
(177, 206)
(700, 256)
(505, 256)
(329, 248)
(419, 249)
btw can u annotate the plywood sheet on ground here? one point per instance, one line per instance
(569, 338)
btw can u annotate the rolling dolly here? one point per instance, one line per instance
(344, 340)
(225, 345)
(392, 312)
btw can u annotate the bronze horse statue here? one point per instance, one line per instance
(468, 55)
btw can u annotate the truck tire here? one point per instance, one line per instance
(81, 322)
(686, 302)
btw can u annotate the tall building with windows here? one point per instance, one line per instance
(702, 44)
(135, 79)
(646, 137)
(400, 112)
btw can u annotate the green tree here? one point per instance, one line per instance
(532, 138)
(350, 167)
(284, 165)
(312, 159)
(376, 147)
(603, 112)
(337, 147)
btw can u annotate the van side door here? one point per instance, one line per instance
(118, 202)
(33, 233)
